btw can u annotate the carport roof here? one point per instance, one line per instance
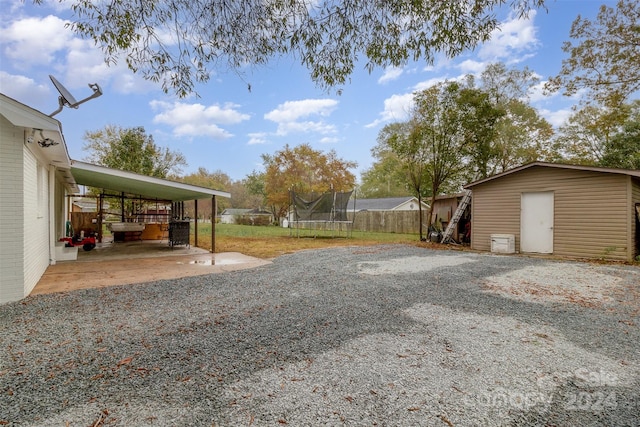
(133, 183)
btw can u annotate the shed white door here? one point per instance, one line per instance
(536, 222)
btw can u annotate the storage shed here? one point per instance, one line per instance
(565, 210)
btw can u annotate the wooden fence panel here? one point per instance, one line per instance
(404, 222)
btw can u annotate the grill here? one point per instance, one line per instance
(179, 233)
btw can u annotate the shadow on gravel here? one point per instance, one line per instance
(168, 352)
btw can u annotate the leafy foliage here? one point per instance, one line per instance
(304, 170)
(216, 180)
(180, 42)
(131, 150)
(622, 150)
(605, 58)
(384, 177)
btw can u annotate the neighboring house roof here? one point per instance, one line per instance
(239, 211)
(631, 172)
(381, 204)
(259, 212)
(232, 211)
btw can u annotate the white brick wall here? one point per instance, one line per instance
(36, 220)
(11, 209)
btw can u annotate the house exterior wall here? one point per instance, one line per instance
(36, 220)
(11, 205)
(590, 211)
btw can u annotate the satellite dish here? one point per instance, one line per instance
(66, 99)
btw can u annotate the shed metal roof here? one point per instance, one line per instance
(631, 172)
(133, 183)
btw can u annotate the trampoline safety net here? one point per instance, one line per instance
(320, 210)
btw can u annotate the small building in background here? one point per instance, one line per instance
(407, 203)
(246, 217)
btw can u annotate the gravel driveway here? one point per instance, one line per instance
(382, 335)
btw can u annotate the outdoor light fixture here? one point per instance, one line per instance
(43, 141)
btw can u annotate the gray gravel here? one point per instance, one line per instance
(383, 335)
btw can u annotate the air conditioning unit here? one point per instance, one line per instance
(503, 243)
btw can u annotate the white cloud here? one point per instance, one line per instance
(293, 110)
(286, 128)
(396, 108)
(35, 41)
(514, 37)
(469, 66)
(27, 91)
(197, 119)
(288, 116)
(257, 138)
(556, 118)
(329, 140)
(390, 74)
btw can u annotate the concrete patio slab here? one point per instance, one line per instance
(123, 263)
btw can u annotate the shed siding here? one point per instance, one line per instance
(11, 205)
(590, 210)
(36, 221)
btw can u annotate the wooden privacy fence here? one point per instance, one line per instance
(406, 222)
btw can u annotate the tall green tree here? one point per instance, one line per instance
(586, 133)
(521, 135)
(408, 144)
(385, 178)
(430, 146)
(304, 170)
(604, 56)
(183, 42)
(622, 150)
(478, 118)
(439, 121)
(131, 149)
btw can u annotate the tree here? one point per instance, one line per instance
(407, 143)
(622, 150)
(383, 179)
(255, 183)
(216, 180)
(304, 170)
(134, 151)
(439, 121)
(182, 42)
(605, 58)
(430, 146)
(131, 150)
(478, 117)
(241, 197)
(521, 135)
(586, 133)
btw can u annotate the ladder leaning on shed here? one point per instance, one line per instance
(448, 232)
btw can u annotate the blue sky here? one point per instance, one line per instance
(228, 128)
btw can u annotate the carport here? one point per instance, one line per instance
(137, 185)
